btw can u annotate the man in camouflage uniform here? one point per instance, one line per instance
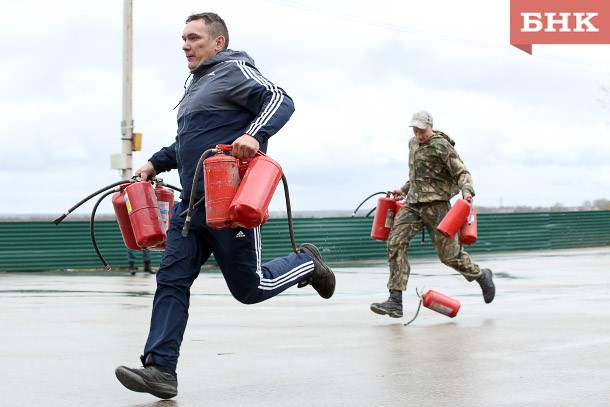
(436, 174)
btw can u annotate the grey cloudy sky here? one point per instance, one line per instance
(532, 129)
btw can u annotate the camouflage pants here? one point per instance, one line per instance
(409, 221)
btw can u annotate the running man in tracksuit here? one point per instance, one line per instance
(228, 101)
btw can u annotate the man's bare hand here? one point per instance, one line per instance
(398, 194)
(146, 172)
(245, 146)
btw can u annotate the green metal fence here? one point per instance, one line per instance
(41, 245)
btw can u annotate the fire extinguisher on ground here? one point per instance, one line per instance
(441, 303)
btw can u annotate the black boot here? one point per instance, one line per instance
(487, 285)
(322, 279)
(392, 306)
(132, 268)
(157, 380)
(147, 267)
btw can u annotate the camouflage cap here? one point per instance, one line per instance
(421, 120)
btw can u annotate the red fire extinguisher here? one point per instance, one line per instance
(233, 201)
(221, 180)
(384, 218)
(249, 206)
(148, 234)
(144, 215)
(468, 231)
(122, 217)
(455, 218)
(165, 201)
(441, 303)
(438, 302)
(244, 164)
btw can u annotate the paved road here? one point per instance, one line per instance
(544, 341)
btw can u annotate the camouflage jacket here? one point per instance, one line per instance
(436, 171)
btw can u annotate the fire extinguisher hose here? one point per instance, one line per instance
(82, 201)
(289, 214)
(418, 307)
(92, 227)
(366, 199)
(189, 211)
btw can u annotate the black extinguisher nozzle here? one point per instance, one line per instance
(62, 217)
(185, 228)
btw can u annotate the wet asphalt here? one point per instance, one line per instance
(544, 341)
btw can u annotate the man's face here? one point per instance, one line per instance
(423, 135)
(198, 45)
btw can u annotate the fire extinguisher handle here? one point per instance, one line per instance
(229, 147)
(224, 147)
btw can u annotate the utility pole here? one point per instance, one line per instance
(123, 161)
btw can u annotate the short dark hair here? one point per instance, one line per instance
(215, 24)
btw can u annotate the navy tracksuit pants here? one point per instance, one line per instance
(237, 252)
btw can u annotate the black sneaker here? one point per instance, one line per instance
(322, 279)
(391, 307)
(159, 381)
(487, 285)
